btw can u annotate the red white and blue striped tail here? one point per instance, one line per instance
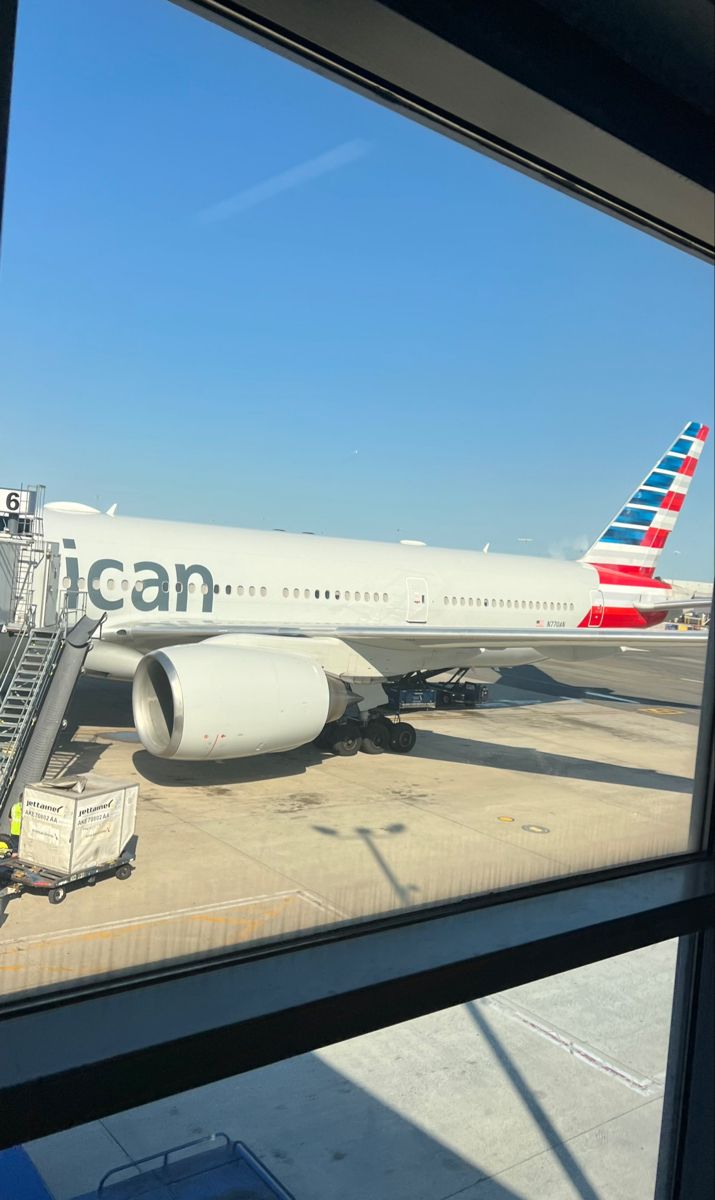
(635, 537)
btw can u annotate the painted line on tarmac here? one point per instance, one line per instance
(168, 915)
(641, 1084)
(684, 679)
(617, 699)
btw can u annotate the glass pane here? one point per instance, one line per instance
(333, 417)
(551, 1090)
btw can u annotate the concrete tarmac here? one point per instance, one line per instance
(569, 767)
(552, 1091)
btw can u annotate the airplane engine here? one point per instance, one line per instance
(218, 701)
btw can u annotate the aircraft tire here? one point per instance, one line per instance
(402, 738)
(376, 739)
(347, 742)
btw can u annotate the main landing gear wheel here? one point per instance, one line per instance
(347, 742)
(56, 895)
(123, 872)
(402, 738)
(376, 738)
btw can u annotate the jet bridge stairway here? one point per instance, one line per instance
(35, 690)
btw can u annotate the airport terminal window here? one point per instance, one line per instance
(281, 245)
(533, 1092)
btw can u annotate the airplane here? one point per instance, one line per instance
(244, 642)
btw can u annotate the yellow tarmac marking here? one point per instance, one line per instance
(218, 913)
(658, 711)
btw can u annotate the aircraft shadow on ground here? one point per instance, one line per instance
(107, 705)
(237, 770)
(445, 748)
(530, 678)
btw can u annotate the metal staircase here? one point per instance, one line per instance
(23, 685)
(46, 649)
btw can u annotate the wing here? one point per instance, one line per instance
(403, 637)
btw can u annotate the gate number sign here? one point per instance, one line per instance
(15, 502)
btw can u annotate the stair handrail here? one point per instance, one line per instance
(25, 717)
(15, 654)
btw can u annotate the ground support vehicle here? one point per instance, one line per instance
(17, 876)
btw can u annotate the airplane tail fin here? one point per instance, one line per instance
(633, 540)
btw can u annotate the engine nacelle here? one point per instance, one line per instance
(214, 700)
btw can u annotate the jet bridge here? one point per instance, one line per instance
(44, 646)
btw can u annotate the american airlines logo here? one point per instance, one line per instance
(151, 593)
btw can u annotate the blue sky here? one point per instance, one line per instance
(233, 291)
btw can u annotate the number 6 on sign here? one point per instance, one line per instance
(14, 502)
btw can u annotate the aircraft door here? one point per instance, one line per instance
(417, 600)
(595, 616)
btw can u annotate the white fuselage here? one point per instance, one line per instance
(147, 573)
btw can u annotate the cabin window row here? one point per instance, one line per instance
(477, 602)
(337, 594)
(240, 590)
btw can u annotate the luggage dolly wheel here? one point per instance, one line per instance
(402, 738)
(123, 872)
(56, 895)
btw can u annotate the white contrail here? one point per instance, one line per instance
(322, 164)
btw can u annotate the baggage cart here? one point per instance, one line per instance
(17, 876)
(209, 1166)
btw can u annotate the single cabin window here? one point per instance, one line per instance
(216, 589)
(192, 588)
(251, 590)
(285, 593)
(204, 589)
(228, 589)
(264, 591)
(239, 589)
(66, 582)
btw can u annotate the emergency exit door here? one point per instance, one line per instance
(417, 600)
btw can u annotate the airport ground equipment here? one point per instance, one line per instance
(17, 876)
(78, 829)
(217, 1167)
(421, 690)
(45, 648)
